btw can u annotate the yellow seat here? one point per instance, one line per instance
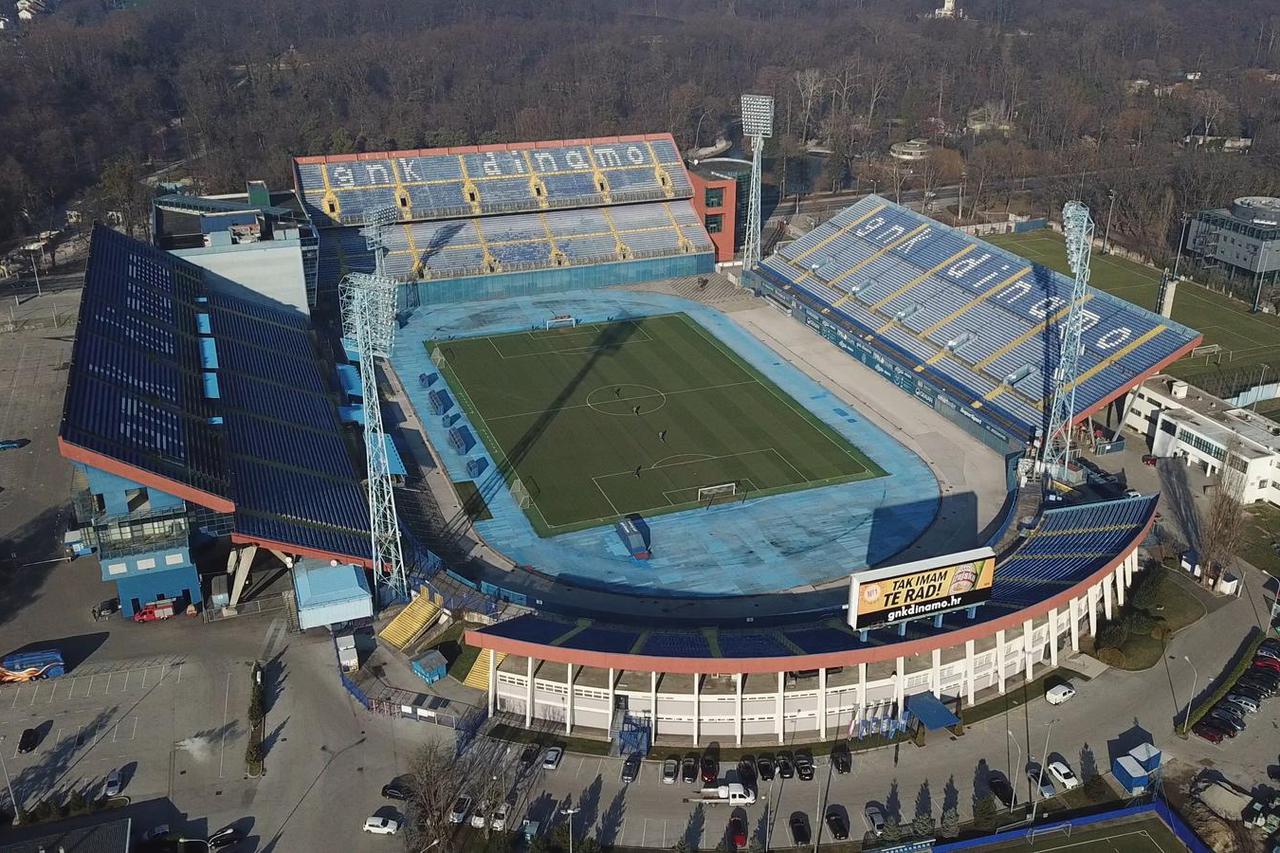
(478, 677)
(416, 617)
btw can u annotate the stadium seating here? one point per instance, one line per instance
(446, 183)
(979, 321)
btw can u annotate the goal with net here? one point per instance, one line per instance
(562, 321)
(437, 357)
(520, 494)
(712, 493)
(1035, 833)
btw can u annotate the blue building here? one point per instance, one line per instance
(196, 412)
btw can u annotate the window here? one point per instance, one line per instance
(714, 197)
(715, 223)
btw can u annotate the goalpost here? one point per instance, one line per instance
(437, 357)
(711, 493)
(520, 494)
(1036, 831)
(562, 321)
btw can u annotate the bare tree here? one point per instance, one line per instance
(1222, 524)
(436, 781)
(809, 83)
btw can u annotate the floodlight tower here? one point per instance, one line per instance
(369, 318)
(1077, 228)
(757, 125)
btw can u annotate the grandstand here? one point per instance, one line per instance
(976, 323)
(185, 389)
(468, 213)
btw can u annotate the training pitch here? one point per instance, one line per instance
(637, 417)
(1144, 834)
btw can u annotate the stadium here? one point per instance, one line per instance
(687, 505)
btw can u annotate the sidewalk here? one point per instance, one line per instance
(50, 311)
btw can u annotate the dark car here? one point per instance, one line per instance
(799, 826)
(397, 789)
(1000, 787)
(1209, 732)
(105, 609)
(529, 756)
(1226, 721)
(689, 769)
(737, 832)
(841, 760)
(30, 740)
(786, 767)
(224, 838)
(747, 771)
(804, 766)
(710, 770)
(836, 823)
(631, 768)
(765, 767)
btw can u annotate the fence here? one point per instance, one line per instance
(1158, 807)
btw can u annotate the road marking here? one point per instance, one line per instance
(643, 831)
(16, 694)
(54, 691)
(58, 736)
(179, 673)
(126, 680)
(135, 728)
(89, 689)
(145, 670)
(226, 705)
(34, 694)
(108, 690)
(115, 732)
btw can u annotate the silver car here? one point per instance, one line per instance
(114, 784)
(874, 815)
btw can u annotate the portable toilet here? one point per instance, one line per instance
(430, 667)
(1148, 756)
(1129, 774)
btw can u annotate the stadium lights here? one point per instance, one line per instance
(757, 115)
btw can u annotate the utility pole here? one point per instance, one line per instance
(1106, 234)
(1044, 762)
(570, 813)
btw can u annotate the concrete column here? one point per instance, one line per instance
(653, 704)
(822, 703)
(697, 722)
(1130, 566)
(568, 704)
(935, 674)
(899, 682)
(1120, 586)
(1106, 596)
(493, 681)
(1053, 637)
(781, 707)
(1000, 661)
(968, 670)
(528, 696)
(1074, 608)
(1028, 648)
(1093, 610)
(609, 716)
(862, 693)
(737, 710)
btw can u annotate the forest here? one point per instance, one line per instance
(96, 96)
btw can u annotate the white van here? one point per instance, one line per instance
(1059, 693)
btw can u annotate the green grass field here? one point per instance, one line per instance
(1252, 339)
(1146, 834)
(612, 419)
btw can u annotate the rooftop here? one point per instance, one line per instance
(1218, 420)
(107, 837)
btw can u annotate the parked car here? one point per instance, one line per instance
(396, 789)
(224, 838)
(480, 816)
(738, 832)
(551, 760)
(156, 832)
(1059, 693)
(29, 741)
(1225, 720)
(1269, 651)
(670, 771)
(710, 769)
(874, 816)
(1149, 459)
(1264, 662)
(841, 760)
(1245, 692)
(1239, 707)
(10, 443)
(747, 770)
(381, 825)
(804, 766)
(1208, 731)
(799, 826)
(461, 808)
(765, 768)
(836, 824)
(498, 821)
(689, 769)
(786, 767)
(1040, 781)
(1062, 774)
(529, 756)
(999, 786)
(114, 784)
(630, 769)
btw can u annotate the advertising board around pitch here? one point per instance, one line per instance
(921, 589)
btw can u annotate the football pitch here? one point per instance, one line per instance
(1145, 834)
(1248, 340)
(636, 417)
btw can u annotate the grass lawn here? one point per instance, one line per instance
(1253, 339)
(458, 655)
(1174, 606)
(1147, 834)
(1015, 697)
(613, 419)
(1262, 528)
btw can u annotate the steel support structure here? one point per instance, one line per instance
(1077, 228)
(757, 126)
(369, 319)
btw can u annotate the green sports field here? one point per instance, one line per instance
(1144, 834)
(613, 419)
(1248, 340)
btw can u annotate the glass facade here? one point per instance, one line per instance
(714, 197)
(715, 223)
(1202, 444)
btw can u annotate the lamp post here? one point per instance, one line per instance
(698, 131)
(1261, 375)
(1195, 680)
(964, 176)
(1182, 239)
(35, 270)
(1019, 764)
(570, 813)
(1106, 235)
(17, 809)
(1044, 762)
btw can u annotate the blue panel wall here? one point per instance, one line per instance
(113, 491)
(539, 282)
(181, 583)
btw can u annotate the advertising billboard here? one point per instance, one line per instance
(921, 589)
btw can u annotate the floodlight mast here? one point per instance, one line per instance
(369, 318)
(757, 125)
(1077, 228)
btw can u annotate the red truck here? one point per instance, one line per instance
(154, 611)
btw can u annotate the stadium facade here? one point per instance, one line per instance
(204, 412)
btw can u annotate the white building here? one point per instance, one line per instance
(1181, 420)
(911, 151)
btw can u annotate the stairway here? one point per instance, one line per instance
(478, 677)
(416, 617)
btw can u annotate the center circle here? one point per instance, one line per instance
(626, 399)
